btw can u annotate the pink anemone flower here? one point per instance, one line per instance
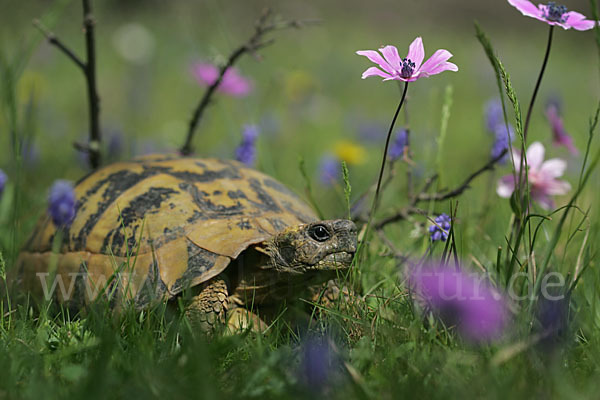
(542, 176)
(412, 67)
(560, 135)
(233, 83)
(553, 14)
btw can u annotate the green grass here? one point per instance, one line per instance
(308, 97)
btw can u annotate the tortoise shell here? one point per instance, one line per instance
(160, 224)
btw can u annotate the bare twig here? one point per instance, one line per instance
(264, 25)
(405, 212)
(90, 73)
(89, 70)
(52, 39)
(464, 186)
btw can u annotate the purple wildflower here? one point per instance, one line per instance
(317, 363)
(441, 228)
(232, 84)
(371, 131)
(61, 203)
(246, 151)
(3, 179)
(115, 144)
(560, 135)
(494, 122)
(494, 115)
(552, 315)
(409, 69)
(460, 299)
(397, 148)
(541, 175)
(553, 14)
(329, 169)
(31, 154)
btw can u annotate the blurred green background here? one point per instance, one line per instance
(308, 101)
(308, 93)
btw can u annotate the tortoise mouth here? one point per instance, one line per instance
(333, 261)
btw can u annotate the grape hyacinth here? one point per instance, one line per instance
(246, 151)
(397, 147)
(494, 122)
(318, 364)
(441, 228)
(329, 169)
(462, 300)
(3, 179)
(61, 203)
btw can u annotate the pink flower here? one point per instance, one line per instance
(233, 83)
(553, 14)
(541, 176)
(560, 135)
(412, 67)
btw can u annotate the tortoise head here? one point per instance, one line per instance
(318, 246)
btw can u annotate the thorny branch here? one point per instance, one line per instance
(264, 25)
(88, 67)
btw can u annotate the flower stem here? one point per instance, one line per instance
(383, 161)
(385, 151)
(539, 81)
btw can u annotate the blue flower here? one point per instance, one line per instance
(552, 314)
(494, 122)
(3, 179)
(329, 169)
(246, 151)
(440, 230)
(115, 144)
(493, 114)
(61, 203)
(318, 365)
(371, 131)
(397, 147)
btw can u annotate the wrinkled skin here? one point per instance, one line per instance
(298, 258)
(323, 245)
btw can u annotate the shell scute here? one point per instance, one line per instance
(165, 224)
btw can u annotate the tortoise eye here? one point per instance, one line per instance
(319, 233)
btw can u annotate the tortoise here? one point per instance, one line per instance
(156, 227)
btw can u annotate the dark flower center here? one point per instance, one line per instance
(407, 69)
(555, 12)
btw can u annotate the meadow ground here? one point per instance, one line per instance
(309, 103)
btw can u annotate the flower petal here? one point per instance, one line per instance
(554, 167)
(377, 59)
(205, 73)
(436, 64)
(416, 52)
(506, 186)
(535, 155)
(391, 56)
(446, 66)
(374, 71)
(577, 21)
(543, 199)
(556, 187)
(526, 8)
